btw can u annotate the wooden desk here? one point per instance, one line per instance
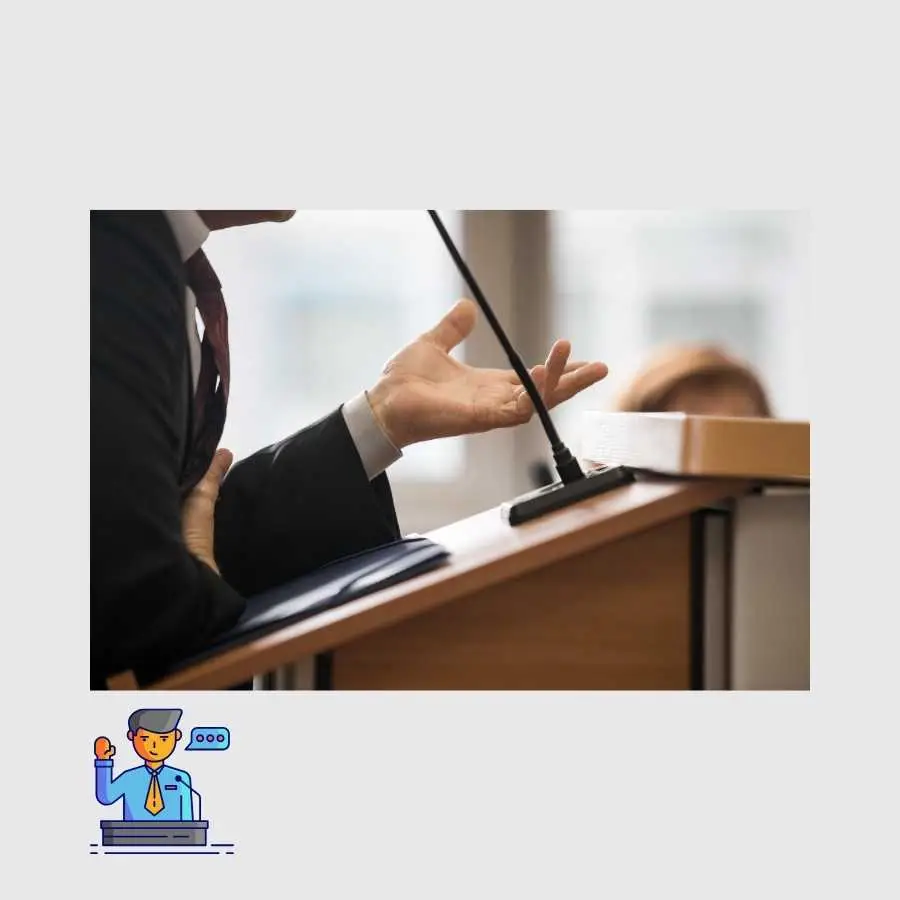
(600, 595)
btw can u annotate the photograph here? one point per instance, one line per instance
(449, 450)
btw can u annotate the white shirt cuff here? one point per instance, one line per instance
(375, 448)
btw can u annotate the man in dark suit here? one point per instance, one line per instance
(163, 580)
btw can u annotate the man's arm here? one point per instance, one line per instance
(297, 505)
(108, 789)
(105, 788)
(151, 601)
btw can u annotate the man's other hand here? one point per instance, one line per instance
(198, 513)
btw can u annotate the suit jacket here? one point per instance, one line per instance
(283, 511)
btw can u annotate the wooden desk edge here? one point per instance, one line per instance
(353, 620)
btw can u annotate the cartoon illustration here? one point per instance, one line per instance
(157, 798)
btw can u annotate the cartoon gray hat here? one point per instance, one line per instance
(159, 721)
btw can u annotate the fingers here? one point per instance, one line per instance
(556, 366)
(511, 376)
(572, 366)
(220, 464)
(538, 376)
(199, 510)
(455, 327)
(524, 407)
(576, 381)
(208, 486)
(103, 749)
(576, 377)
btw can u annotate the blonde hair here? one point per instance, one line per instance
(702, 365)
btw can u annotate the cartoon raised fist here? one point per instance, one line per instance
(103, 749)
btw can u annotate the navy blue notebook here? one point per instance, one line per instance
(333, 585)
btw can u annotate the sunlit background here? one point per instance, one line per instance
(318, 304)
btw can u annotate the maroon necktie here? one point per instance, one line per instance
(211, 395)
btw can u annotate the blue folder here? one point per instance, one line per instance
(331, 586)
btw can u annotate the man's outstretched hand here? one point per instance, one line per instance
(424, 393)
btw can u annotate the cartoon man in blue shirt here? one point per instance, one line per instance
(153, 790)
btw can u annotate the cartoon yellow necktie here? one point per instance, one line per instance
(153, 804)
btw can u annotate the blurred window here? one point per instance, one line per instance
(317, 305)
(626, 282)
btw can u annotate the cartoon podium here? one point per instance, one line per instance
(158, 799)
(122, 833)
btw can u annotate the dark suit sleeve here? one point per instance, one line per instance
(151, 601)
(297, 505)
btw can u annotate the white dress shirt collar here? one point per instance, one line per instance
(375, 449)
(190, 231)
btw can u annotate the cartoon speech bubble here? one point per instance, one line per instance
(209, 738)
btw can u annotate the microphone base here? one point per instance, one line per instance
(558, 495)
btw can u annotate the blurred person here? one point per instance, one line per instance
(697, 379)
(177, 540)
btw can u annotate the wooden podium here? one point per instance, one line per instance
(673, 582)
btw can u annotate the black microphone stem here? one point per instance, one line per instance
(566, 464)
(191, 788)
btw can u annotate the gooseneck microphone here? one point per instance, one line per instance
(574, 484)
(180, 780)
(566, 464)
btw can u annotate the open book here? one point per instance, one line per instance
(680, 444)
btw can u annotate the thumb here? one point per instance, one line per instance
(215, 474)
(455, 327)
(220, 464)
